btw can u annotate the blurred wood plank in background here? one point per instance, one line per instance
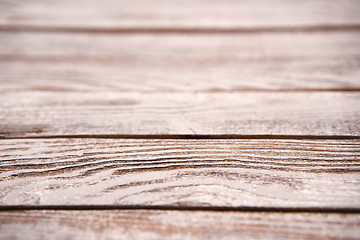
(37, 113)
(170, 14)
(140, 224)
(180, 62)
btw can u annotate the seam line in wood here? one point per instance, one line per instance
(188, 136)
(181, 208)
(179, 29)
(212, 91)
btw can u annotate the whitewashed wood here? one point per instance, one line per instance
(222, 172)
(169, 13)
(176, 225)
(88, 62)
(282, 173)
(35, 113)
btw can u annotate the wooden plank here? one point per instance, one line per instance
(218, 172)
(35, 113)
(189, 14)
(176, 225)
(147, 62)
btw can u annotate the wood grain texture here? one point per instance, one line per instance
(176, 225)
(191, 14)
(222, 172)
(175, 62)
(87, 69)
(37, 113)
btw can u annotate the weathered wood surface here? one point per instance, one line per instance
(222, 172)
(114, 14)
(176, 225)
(37, 113)
(148, 62)
(135, 67)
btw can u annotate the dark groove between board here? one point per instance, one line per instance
(185, 136)
(212, 91)
(181, 208)
(16, 57)
(179, 29)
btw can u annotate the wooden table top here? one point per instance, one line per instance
(193, 119)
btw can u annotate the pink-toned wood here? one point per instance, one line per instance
(42, 113)
(218, 172)
(140, 67)
(176, 225)
(153, 63)
(170, 14)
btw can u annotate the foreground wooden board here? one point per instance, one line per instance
(140, 224)
(179, 62)
(39, 113)
(222, 172)
(189, 13)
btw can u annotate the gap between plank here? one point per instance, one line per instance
(181, 208)
(178, 29)
(187, 136)
(212, 91)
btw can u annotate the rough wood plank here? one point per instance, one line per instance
(222, 172)
(36, 113)
(176, 225)
(87, 62)
(192, 14)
